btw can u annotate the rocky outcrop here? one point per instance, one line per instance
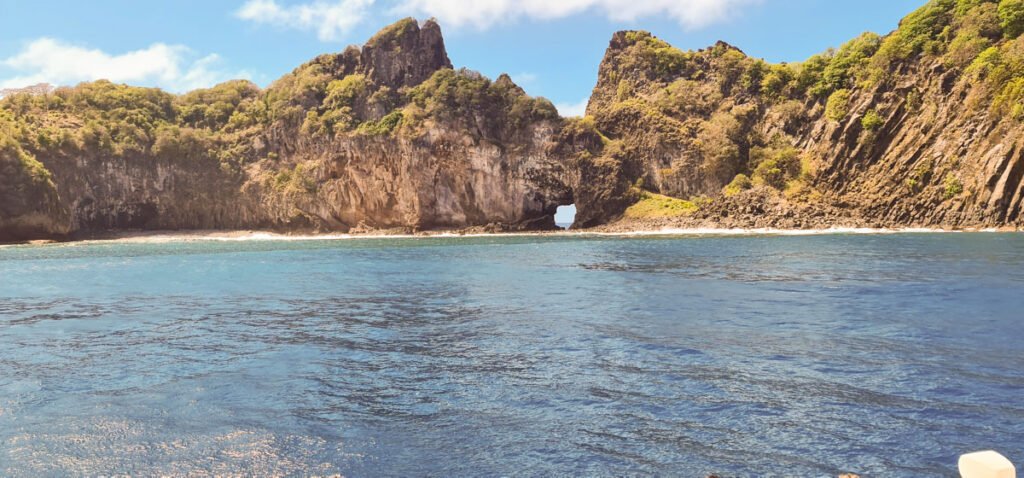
(923, 127)
(404, 54)
(388, 136)
(919, 128)
(29, 205)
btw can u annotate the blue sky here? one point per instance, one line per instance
(551, 47)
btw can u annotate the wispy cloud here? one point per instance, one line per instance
(524, 78)
(483, 14)
(572, 109)
(331, 20)
(173, 67)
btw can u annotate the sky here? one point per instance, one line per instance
(552, 48)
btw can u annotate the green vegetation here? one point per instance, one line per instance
(391, 36)
(952, 186)
(493, 108)
(849, 63)
(739, 184)
(214, 108)
(775, 166)
(382, 127)
(25, 167)
(1000, 69)
(25, 184)
(918, 32)
(1011, 17)
(871, 120)
(921, 175)
(655, 55)
(838, 105)
(297, 180)
(653, 205)
(779, 81)
(721, 141)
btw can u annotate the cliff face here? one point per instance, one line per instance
(918, 128)
(28, 197)
(922, 127)
(383, 137)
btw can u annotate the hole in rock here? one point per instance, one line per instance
(565, 216)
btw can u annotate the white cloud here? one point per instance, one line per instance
(331, 20)
(572, 109)
(172, 67)
(485, 13)
(524, 78)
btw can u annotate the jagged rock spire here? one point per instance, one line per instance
(404, 53)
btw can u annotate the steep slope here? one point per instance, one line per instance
(919, 128)
(28, 197)
(386, 136)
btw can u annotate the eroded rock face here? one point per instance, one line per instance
(875, 134)
(913, 129)
(933, 161)
(388, 136)
(29, 205)
(405, 54)
(442, 179)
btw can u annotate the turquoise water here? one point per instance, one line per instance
(887, 355)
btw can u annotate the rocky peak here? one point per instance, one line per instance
(405, 53)
(505, 82)
(721, 47)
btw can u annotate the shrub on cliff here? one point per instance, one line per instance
(26, 185)
(976, 26)
(871, 120)
(1011, 16)
(391, 36)
(848, 63)
(344, 92)
(952, 186)
(918, 32)
(212, 108)
(739, 184)
(651, 54)
(775, 166)
(720, 141)
(292, 95)
(779, 82)
(22, 166)
(383, 126)
(688, 97)
(838, 105)
(176, 143)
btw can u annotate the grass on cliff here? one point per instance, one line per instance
(652, 205)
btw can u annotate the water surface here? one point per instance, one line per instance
(887, 355)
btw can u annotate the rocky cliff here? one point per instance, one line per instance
(918, 128)
(922, 127)
(380, 137)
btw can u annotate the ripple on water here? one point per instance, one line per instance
(885, 355)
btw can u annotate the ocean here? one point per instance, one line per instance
(684, 355)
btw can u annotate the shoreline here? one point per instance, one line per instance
(172, 236)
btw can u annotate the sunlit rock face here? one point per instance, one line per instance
(923, 127)
(387, 136)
